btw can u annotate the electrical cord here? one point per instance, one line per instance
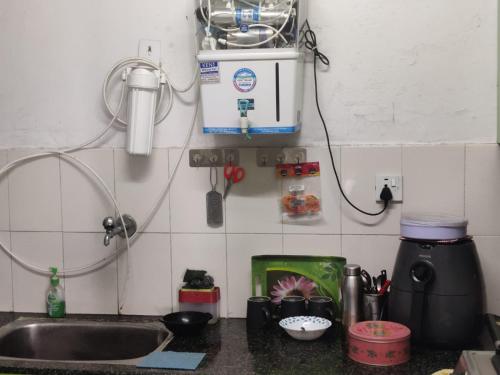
(312, 45)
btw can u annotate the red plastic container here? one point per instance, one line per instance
(379, 343)
(204, 300)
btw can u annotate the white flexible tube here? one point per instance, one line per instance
(156, 206)
(134, 61)
(169, 86)
(174, 172)
(189, 85)
(104, 131)
(102, 262)
(65, 154)
(66, 271)
(209, 22)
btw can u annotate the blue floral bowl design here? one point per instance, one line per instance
(305, 327)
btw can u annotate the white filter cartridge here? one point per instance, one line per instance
(143, 87)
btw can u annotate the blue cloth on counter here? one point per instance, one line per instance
(172, 360)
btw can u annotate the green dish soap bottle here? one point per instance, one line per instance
(56, 304)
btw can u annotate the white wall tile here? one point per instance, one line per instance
(43, 249)
(4, 194)
(139, 182)
(84, 202)
(188, 196)
(147, 271)
(434, 179)
(252, 205)
(488, 249)
(315, 245)
(240, 249)
(330, 195)
(5, 275)
(199, 252)
(156, 271)
(35, 193)
(360, 166)
(373, 253)
(482, 187)
(95, 292)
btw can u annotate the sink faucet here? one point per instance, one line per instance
(115, 227)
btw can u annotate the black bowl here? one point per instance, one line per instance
(186, 322)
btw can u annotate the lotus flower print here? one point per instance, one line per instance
(292, 286)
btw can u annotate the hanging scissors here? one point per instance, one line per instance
(233, 175)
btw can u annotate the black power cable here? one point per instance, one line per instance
(311, 44)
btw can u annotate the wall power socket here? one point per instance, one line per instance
(395, 183)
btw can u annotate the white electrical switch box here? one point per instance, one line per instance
(395, 183)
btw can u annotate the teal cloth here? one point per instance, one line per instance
(172, 360)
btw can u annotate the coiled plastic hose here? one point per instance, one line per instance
(65, 153)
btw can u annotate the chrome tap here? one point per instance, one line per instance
(115, 227)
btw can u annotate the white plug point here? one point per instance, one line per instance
(395, 183)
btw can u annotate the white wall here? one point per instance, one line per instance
(57, 221)
(414, 71)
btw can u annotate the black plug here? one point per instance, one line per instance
(386, 195)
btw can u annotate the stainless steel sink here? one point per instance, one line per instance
(69, 340)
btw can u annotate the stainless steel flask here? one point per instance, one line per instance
(351, 296)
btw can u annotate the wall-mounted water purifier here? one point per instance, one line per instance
(251, 65)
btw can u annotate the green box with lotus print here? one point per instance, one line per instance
(278, 276)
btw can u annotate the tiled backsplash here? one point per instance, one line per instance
(51, 214)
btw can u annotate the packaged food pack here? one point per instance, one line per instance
(301, 204)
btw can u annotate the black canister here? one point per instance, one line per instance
(437, 288)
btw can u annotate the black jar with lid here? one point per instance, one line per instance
(437, 286)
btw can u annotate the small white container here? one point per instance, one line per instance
(207, 301)
(305, 328)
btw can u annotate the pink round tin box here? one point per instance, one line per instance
(379, 343)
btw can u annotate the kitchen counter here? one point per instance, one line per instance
(231, 351)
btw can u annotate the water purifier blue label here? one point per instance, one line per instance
(247, 15)
(256, 15)
(209, 72)
(244, 80)
(255, 130)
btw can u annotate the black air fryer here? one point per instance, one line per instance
(436, 286)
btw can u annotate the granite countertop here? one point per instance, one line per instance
(231, 350)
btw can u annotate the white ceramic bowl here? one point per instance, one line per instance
(305, 327)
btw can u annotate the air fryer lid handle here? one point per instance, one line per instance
(422, 275)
